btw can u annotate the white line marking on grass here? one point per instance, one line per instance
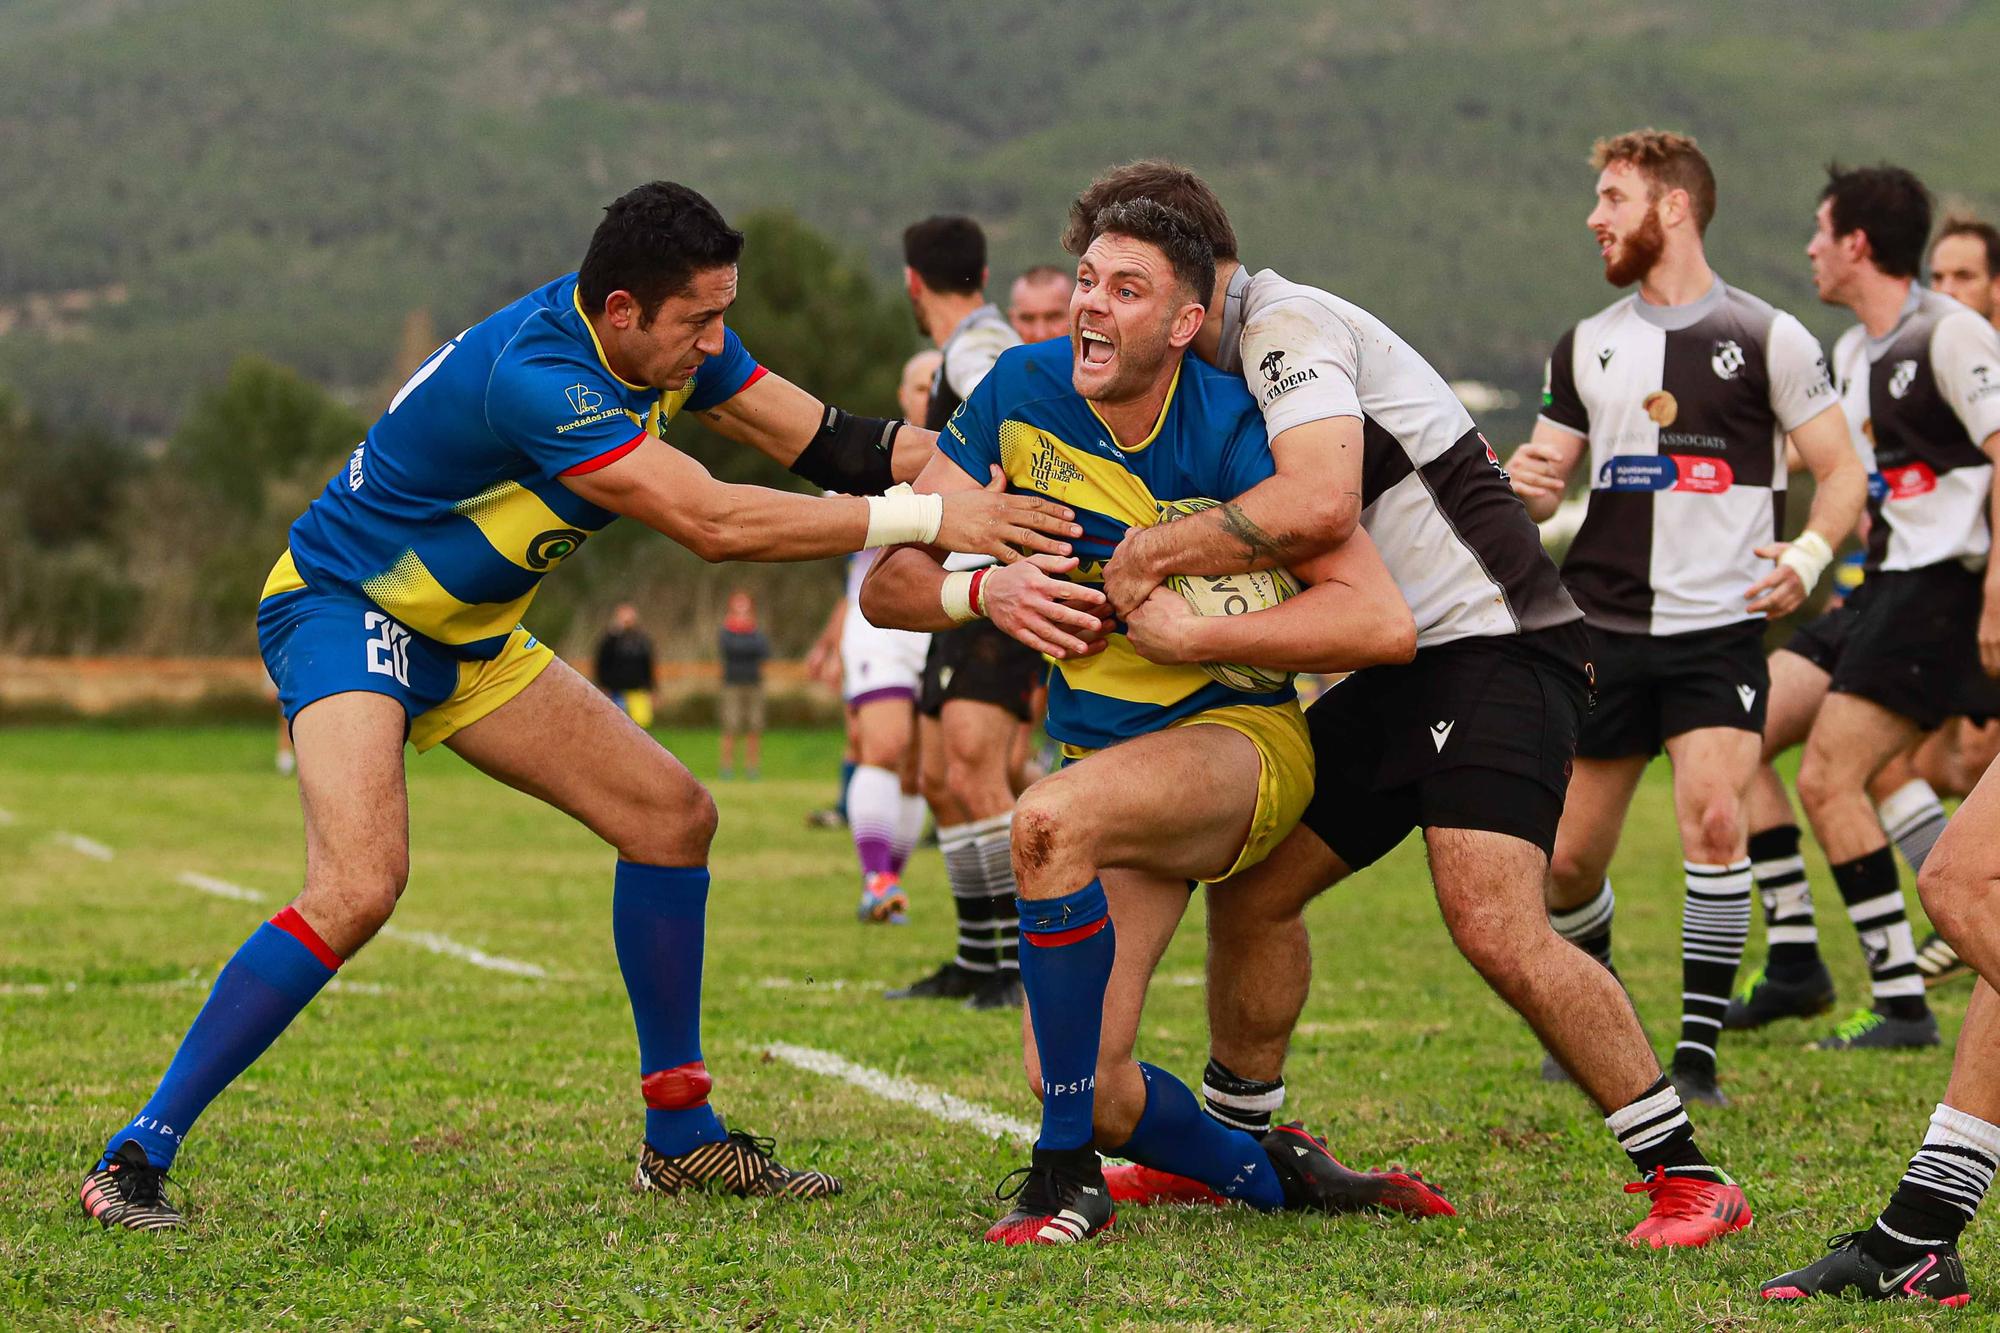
(89, 847)
(890, 1088)
(220, 888)
(451, 948)
(807, 983)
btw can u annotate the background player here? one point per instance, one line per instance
(1038, 303)
(1470, 740)
(626, 669)
(978, 683)
(1918, 642)
(394, 616)
(1682, 394)
(1110, 843)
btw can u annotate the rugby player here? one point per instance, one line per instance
(1038, 303)
(1917, 642)
(1910, 1250)
(394, 614)
(1683, 395)
(1119, 424)
(1471, 740)
(978, 683)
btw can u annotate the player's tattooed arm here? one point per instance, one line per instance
(1310, 506)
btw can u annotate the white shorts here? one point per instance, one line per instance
(879, 663)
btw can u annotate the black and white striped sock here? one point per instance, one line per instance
(1715, 921)
(1790, 930)
(1589, 927)
(1241, 1103)
(1654, 1131)
(1941, 1191)
(976, 950)
(995, 844)
(1913, 817)
(1874, 898)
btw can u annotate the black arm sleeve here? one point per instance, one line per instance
(849, 454)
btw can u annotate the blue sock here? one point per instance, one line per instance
(1175, 1134)
(1064, 969)
(657, 915)
(260, 990)
(847, 767)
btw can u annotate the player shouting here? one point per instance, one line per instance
(394, 615)
(1117, 423)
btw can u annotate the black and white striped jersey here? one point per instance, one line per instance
(1921, 399)
(1434, 498)
(1686, 409)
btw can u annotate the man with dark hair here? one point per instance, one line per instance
(1683, 394)
(1038, 303)
(977, 682)
(394, 616)
(1470, 741)
(626, 669)
(1919, 640)
(1118, 424)
(1965, 263)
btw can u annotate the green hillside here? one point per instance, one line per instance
(188, 180)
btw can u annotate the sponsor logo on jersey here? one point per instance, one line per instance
(583, 399)
(1661, 406)
(549, 547)
(1985, 382)
(1822, 379)
(1666, 472)
(1273, 366)
(1901, 378)
(1049, 468)
(1492, 456)
(1281, 380)
(354, 476)
(1727, 360)
(1908, 481)
(1878, 486)
(593, 419)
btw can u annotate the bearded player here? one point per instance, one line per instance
(1119, 424)
(394, 615)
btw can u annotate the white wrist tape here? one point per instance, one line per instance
(901, 515)
(956, 595)
(1808, 557)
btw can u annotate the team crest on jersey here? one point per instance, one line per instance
(583, 398)
(549, 547)
(1661, 406)
(1727, 360)
(1901, 378)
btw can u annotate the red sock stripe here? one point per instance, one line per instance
(299, 929)
(678, 1089)
(1055, 939)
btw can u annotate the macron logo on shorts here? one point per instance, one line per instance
(1747, 695)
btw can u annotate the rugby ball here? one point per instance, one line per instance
(1231, 595)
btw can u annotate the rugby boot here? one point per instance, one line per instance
(1002, 990)
(1146, 1187)
(949, 982)
(883, 901)
(740, 1164)
(1060, 1199)
(1763, 998)
(1694, 1080)
(1938, 962)
(1848, 1270)
(1687, 1212)
(127, 1190)
(1873, 1030)
(1314, 1180)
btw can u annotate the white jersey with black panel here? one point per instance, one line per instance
(1434, 497)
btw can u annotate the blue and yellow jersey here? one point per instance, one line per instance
(1209, 443)
(452, 509)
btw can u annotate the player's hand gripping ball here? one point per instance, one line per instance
(1231, 595)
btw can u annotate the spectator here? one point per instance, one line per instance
(625, 668)
(743, 651)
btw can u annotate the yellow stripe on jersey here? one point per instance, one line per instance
(284, 577)
(1038, 461)
(521, 528)
(408, 591)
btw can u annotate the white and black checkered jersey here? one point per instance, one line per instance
(1455, 537)
(1686, 409)
(968, 352)
(1922, 398)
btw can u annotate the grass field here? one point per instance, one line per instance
(437, 1143)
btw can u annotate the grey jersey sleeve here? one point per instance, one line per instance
(1965, 358)
(1801, 388)
(1303, 363)
(972, 353)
